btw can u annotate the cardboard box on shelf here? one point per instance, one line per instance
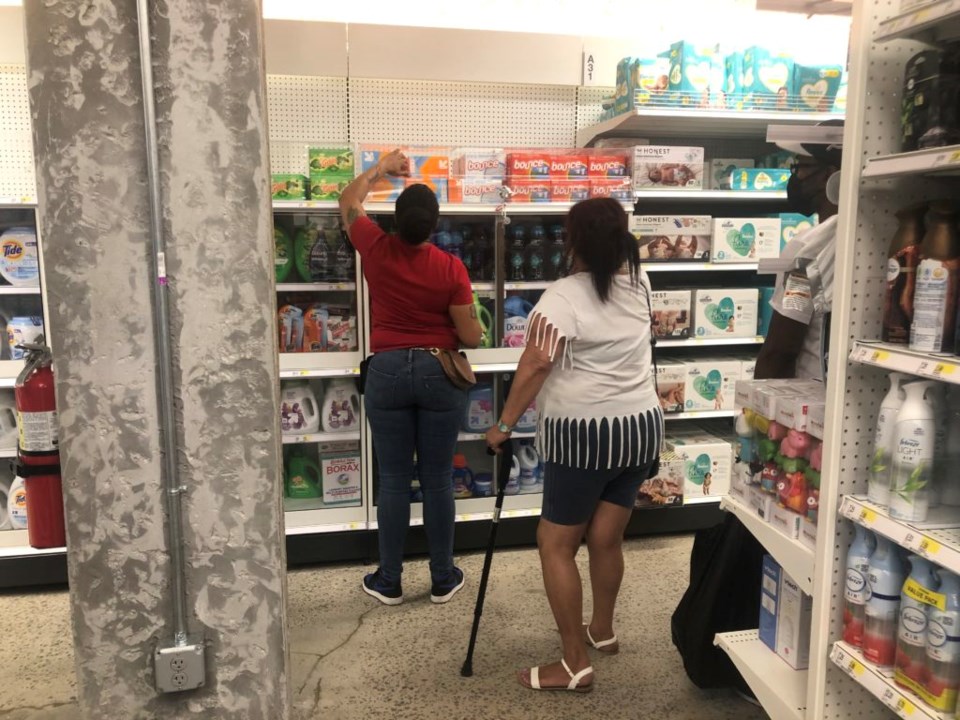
(568, 167)
(666, 489)
(288, 186)
(816, 86)
(340, 470)
(767, 79)
(711, 384)
(530, 190)
(611, 187)
(786, 521)
(671, 382)
(695, 72)
(608, 165)
(475, 191)
(808, 534)
(707, 463)
(439, 185)
(479, 164)
(722, 168)
(769, 598)
(658, 167)
(532, 165)
(569, 190)
(794, 614)
(335, 160)
(745, 239)
(328, 186)
(672, 313)
(725, 313)
(793, 223)
(672, 238)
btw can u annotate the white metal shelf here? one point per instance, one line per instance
(781, 690)
(301, 205)
(710, 342)
(320, 437)
(472, 509)
(921, 23)
(317, 287)
(700, 415)
(931, 161)
(319, 365)
(16, 543)
(732, 196)
(650, 267)
(535, 208)
(9, 370)
(712, 123)
(899, 358)
(869, 676)
(7, 453)
(792, 555)
(312, 519)
(15, 290)
(937, 539)
(16, 203)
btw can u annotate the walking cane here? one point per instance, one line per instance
(503, 476)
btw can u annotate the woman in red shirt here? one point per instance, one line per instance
(420, 298)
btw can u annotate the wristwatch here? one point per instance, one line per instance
(504, 428)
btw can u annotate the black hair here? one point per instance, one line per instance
(598, 235)
(417, 212)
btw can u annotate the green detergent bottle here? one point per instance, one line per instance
(283, 253)
(486, 322)
(302, 479)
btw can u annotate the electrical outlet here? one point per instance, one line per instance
(179, 667)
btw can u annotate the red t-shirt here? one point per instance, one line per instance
(411, 289)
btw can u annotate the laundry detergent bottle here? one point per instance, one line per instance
(513, 483)
(486, 322)
(4, 500)
(886, 576)
(878, 488)
(516, 310)
(950, 492)
(478, 416)
(17, 505)
(341, 406)
(943, 645)
(529, 462)
(302, 478)
(913, 447)
(299, 414)
(856, 590)
(912, 631)
(462, 478)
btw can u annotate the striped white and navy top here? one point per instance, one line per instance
(598, 408)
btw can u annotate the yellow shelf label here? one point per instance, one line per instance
(855, 667)
(879, 356)
(929, 547)
(867, 516)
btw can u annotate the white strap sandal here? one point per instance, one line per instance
(574, 684)
(610, 647)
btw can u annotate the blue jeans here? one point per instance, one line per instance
(413, 407)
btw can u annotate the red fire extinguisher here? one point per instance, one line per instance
(38, 456)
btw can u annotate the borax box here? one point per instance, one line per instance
(340, 470)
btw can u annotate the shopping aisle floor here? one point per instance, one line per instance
(356, 659)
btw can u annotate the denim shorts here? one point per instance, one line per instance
(571, 495)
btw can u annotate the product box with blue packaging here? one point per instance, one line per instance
(707, 461)
(759, 180)
(769, 596)
(733, 81)
(725, 313)
(721, 170)
(711, 384)
(767, 79)
(793, 223)
(693, 73)
(816, 86)
(641, 81)
(745, 239)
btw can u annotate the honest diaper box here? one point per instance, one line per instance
(816, 86)
(711, 384)
(794, 614)
(793, 223)
(672, 238)
(666, 489)
(721, 171)
(745, 239)
(340, 470)
(725, 313)
(657, 167)
(693, 74)
(769, 596)
(671, 382)
(760, 179)
(767, 79)
(672, 313)
(707, 464)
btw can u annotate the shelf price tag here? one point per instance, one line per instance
(853, 666)
(898, 703)
(879, 356)
(928, 547)
(942, 370)
(867, 517)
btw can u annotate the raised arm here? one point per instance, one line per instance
(351, 200)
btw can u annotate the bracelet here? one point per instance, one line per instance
(504, 428)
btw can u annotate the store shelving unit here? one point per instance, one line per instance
(779, 688)
(727, 196)
(899, 358)
(931, 162)
(926, 23)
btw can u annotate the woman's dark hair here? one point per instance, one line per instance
(417, 214)
(598, 235)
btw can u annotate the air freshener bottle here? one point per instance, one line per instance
(943, 645)
(912, 631)
(878, 488)
(885, 577)
(913, 452)
(902, 259)
(856, 589)
(935, 297)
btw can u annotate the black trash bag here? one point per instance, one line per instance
(726, 568)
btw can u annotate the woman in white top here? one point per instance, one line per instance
(588, 361)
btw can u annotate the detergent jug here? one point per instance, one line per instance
(298, 410)
(486, 322)
(513, 483)
(528, 421)
(19, 261)
(302, 479)
(17, 505)
(4, 499)
(516, 310)
(341, 406)
(283, 253)
(482, 485)
(478, 417)
(24, 329)
(462, 478)
(529, 462)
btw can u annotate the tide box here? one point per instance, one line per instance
(672, 313)
(528, 165)
(769, 598)
(616, 188)
(569, 190)
(607, 166)
(568, 167)
(530, 190)
(708, 462)
(745, 239)
(340, 469)
(794, 615)
(721, 168)
(475, 190)
(725, 313)
(671, 382)
(672, 238)
(479, 164)
(759, 179)
(661, 166)
(710, 384)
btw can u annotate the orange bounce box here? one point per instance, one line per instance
(428, 165)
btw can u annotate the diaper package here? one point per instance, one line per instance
(641, 81)
(793, 223)
(666, 489)
(745, 239)
(721, 170)
(671, 382)
(707, 463)
(693, 74)
(667, 167)
(725, 313)
(760, 179)
(733, 82)
(672, 238)
(711, 384)
(767, 79)
(672, 313)
(816, 86)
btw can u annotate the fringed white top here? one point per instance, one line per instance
(598, 407)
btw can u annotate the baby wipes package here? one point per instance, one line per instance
(745, 239)
(793, 223)
(707, 463)
(721, 170)
(672, 313)
(760, 179)
(667, 167)
(671, 383)
(767, 79)
(672, 238)
(816, 86)
(725, 313)
(710, 384)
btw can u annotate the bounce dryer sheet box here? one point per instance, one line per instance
(725, 313)
(666, 489)
(707, 464)
(479, 164)
(660, 167)
(475, 191)
(284, 186)
(672, 238)
(569, 191)
(721, 169)
(745, 239)
(568, 167)
(672, 313)
(671, 382)
(612, 187)
(710, 384)
(340, 470)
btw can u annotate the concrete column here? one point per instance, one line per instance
(86, 101)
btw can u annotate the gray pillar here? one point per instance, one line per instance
(86, 101)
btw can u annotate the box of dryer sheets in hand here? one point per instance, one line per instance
(707, 463)
(711, 383)
(672, 313)
(661, 167)
(671, 381)
(672, 238)
(340, 470)
(725, 313)
(745, 239)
